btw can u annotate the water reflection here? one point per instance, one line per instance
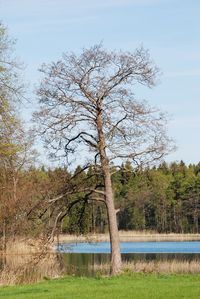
(85, 263)
(19, 268)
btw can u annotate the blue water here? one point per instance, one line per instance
(133, 247)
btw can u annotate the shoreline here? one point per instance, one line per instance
(128, 236)
(25, 246)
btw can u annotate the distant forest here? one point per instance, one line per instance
(164, 199)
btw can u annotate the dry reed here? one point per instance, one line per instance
(161, 267)
(29, 269)
(22, 246)
(27, 261)
(130, 236)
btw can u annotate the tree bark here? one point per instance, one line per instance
(111, 212)
(113, 228)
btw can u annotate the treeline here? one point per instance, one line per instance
(165, 199)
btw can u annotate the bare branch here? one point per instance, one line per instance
(54, 227)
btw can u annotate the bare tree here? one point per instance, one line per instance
(89, 112)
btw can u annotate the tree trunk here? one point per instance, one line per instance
(15, 181)
(113, 228)
(111, 212)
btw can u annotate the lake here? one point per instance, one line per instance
(132, 247)
(81, 258)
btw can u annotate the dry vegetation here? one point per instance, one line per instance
(26, 270)
(27, 261)
(130, 236)
(165, 267)
(29, 269)
(22, 246)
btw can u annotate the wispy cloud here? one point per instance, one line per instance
(43, 13)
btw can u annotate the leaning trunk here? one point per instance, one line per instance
(113, 228)
(111, 211)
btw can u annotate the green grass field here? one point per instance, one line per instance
(136, 286)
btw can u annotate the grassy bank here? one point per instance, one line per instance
(126, 286)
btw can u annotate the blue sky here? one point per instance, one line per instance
(44, 29)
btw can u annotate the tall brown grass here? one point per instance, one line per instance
(161, 267)
(23, 246)
(130, 236)
(31, 268)
(27, 261)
